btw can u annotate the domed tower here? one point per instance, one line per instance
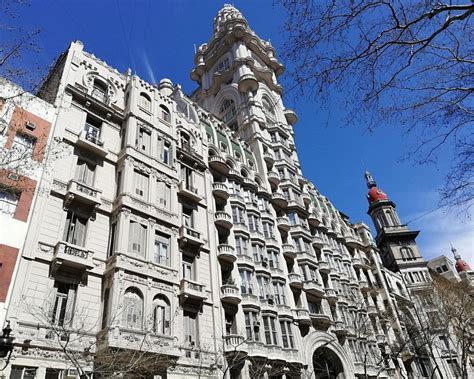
(396, 242)
(237, 75)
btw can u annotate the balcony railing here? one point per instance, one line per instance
(72, 255)
(226, 252)
(190, 289)
(83, 192)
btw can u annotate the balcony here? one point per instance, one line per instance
(314, 288)
(314, 219)
(188, 191)
(250, 300)
(269, 158)
(220, 190)
(69, 255)
(364, 285)
(189, 236)
(219, 164)
(230, 294)
(192, 290)
(91, 143)
(289, 250)
(295, 281)
(306, 198)
(320, 320)
(279, 200)
(381, 339)
(223, 220)
(273, 178)
(234, 343)
(302, 316)
(351, 241)
(324, 267)
(340, 329)
(249, 183)
(372, 310)
(317, 242)
(356, 262)
(226, 253)
(283, 224)
(83, 193)
(331, 295)
(127, 340)
(290, 116)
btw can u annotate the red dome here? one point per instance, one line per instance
(462, 265)
(376, 194)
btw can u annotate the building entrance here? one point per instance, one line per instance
(327, 365)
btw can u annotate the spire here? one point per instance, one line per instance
(455, 253)
(461, 265)
(370, 180)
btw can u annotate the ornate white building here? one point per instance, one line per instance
(178, 236)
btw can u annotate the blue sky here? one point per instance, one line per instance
(156, 39)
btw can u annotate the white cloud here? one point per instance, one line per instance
(441, 228)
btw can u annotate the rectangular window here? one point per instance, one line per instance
(167, 153)
(252, 326)
(137, 238)
(190, 321)
(274, 259)
(143, 141)
(75, 229)
(163, 194)
(21, 372)
(63, 305)
(279, 291)
(241, 245)
(8, 202)
(188, 216)
(23, 145)
(141, 184)
(238, 215)
(92, 130)
(270, 330)
(292, 218)
(161, 249)
(246, 281)
(287, 334)
(85, 172)
(188, 267)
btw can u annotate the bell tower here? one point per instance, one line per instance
(396, 242)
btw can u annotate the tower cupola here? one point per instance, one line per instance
(374, 194)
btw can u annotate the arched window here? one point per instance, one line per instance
(228, 113)
(144, 101)
(99, 90)
(268, 108)
(390, 219)
(132, 316)
(161, 315)
(165, 114)
(407, 253)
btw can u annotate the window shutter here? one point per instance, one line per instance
(80, 231)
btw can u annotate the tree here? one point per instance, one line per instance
(400, 62)
(74, 334)
(455, 305)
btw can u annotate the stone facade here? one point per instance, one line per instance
(181, 230)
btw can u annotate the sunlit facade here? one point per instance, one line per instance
(183, 227)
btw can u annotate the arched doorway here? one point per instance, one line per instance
(327, 365)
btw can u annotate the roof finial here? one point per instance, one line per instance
(370, 180)
(455, 252)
